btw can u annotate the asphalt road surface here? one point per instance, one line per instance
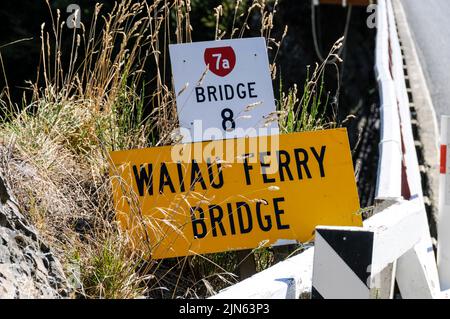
(429, 21)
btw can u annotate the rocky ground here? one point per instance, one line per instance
(28, 268)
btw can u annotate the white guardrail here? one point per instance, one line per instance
(394, 245)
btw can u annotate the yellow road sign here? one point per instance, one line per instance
(235, 194)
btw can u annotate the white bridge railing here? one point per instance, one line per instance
(394, 245)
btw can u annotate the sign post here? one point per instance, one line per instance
(234, 183)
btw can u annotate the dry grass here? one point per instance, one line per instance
(89, 101)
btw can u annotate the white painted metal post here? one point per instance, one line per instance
(444, 207)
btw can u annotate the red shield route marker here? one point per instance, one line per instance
(221, 60)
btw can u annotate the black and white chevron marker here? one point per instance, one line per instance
(342, 263)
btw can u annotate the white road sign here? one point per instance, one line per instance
(224, 89)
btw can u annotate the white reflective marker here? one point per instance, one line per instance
(444, 206)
